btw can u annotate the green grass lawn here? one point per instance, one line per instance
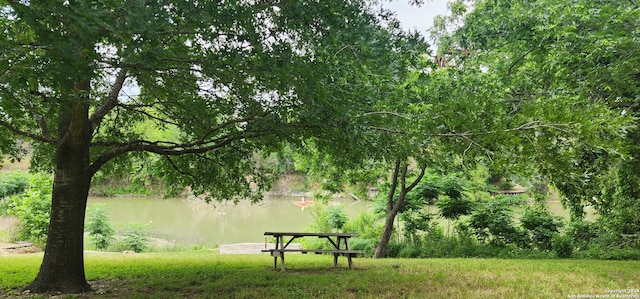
(206, 274)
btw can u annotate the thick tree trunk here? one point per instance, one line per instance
(62, 268)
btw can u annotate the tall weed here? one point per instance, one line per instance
(100, 230)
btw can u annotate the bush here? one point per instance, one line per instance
(583, 233)
(135, 237)
(492, 223)
(100, 231)
(367, 224)
(562, 246)
(541, 227)
(33, 208)
(320, 224)
(13, 182)
(393, 249)
(326, 219)
(605, 253)
(336, 217)
(368, 245)
(416, 224)
(410, 251)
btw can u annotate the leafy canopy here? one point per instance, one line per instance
(214, 86)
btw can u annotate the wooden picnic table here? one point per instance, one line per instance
(340, 242)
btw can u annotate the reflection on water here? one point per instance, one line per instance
(194, 222)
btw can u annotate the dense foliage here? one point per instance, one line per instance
(578, 53)
(547, 88)
(12, 182)
(217, 81)
(32, 207)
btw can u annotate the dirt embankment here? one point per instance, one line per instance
(20, 248)
(7, 226)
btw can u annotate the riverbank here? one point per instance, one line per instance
(207, 274)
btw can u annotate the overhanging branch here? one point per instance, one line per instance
(172, 150)
(23, 133)
(111, 101)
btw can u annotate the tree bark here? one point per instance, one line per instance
(381, 249)
(62, 268)
(393, 207)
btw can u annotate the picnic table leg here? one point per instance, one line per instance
(350, 262)
(335, 259)
(275, 262)
(275, 253)
(282, 267)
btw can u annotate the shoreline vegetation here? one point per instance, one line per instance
(444, 266)
(436, 239)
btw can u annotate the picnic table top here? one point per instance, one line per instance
(302, 234)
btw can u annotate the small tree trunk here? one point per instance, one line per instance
(62, 268)
(393, 207)
(381, 249)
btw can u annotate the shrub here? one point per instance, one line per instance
(426, 192)
(562, 246)
(416, 224)
(606, 253)
(100, 231)
(320, 223)
(368, 245)
(367, 224)
(32, 208)
(583, 233)
(453, 208)
(13, 182)
(410, 251)
(492, 223)
(393, 249)
(326, 219)
(135, 237)
(336, 217)
(512, 200)
(541, 226)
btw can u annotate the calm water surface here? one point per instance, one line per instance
(194, 222)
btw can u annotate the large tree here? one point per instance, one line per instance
(231, 77)
(512, 87)
(578, 53)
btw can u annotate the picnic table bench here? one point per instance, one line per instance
(336, 239)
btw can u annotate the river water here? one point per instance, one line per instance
(189, 222)
(193, 222)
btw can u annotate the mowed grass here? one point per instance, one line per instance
(206, 274)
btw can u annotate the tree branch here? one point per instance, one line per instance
(135, 109)
(407, 116)
(172, 149)
(423, 169)
(111, 101)
(524, 55)
(394, 186)
(180, 170)
(17, 131)
(40, 120)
